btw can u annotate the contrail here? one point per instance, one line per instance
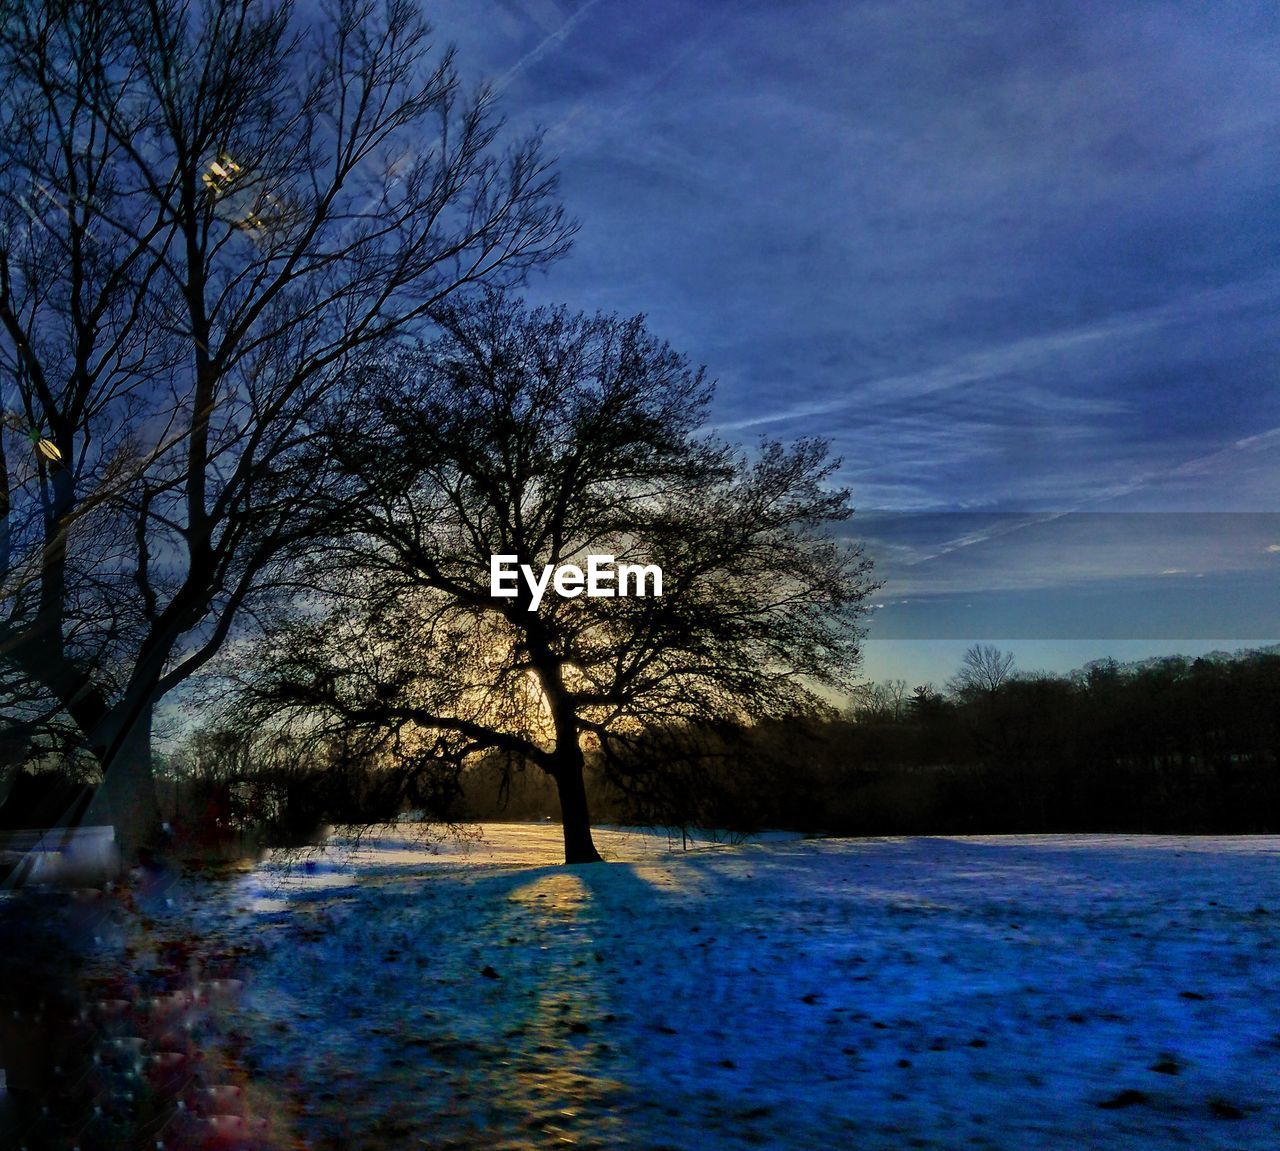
(1195, 466)
(602, 117)
(559, 35)
(1023, 354)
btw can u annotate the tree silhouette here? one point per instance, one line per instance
(207, 211)
(983, 670)
(547, 436)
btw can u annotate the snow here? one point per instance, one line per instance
(61, 855)
(1011, 992)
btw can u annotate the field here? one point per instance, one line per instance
(1043, 991)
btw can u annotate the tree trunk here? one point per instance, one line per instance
(574, 817)
(126, 798)
(566, 762)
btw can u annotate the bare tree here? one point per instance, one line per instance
(983, 670)
(209, 211)
(886, 699)
(549, 436)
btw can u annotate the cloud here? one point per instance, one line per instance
(1004, 257)
(557, 34)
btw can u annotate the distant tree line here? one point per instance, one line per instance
(1171, 745)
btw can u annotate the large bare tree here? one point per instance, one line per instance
(547, 437)
(983, 671)
(209, 210)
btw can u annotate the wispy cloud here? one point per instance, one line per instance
(1004, 258)
(556, 37)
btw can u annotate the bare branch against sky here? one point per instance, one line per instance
(210, 211)
(550, 437)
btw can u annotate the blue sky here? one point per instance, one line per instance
(1017, 261)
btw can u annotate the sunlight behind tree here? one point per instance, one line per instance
(549, 436)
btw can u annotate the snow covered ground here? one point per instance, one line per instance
(1044, 991)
